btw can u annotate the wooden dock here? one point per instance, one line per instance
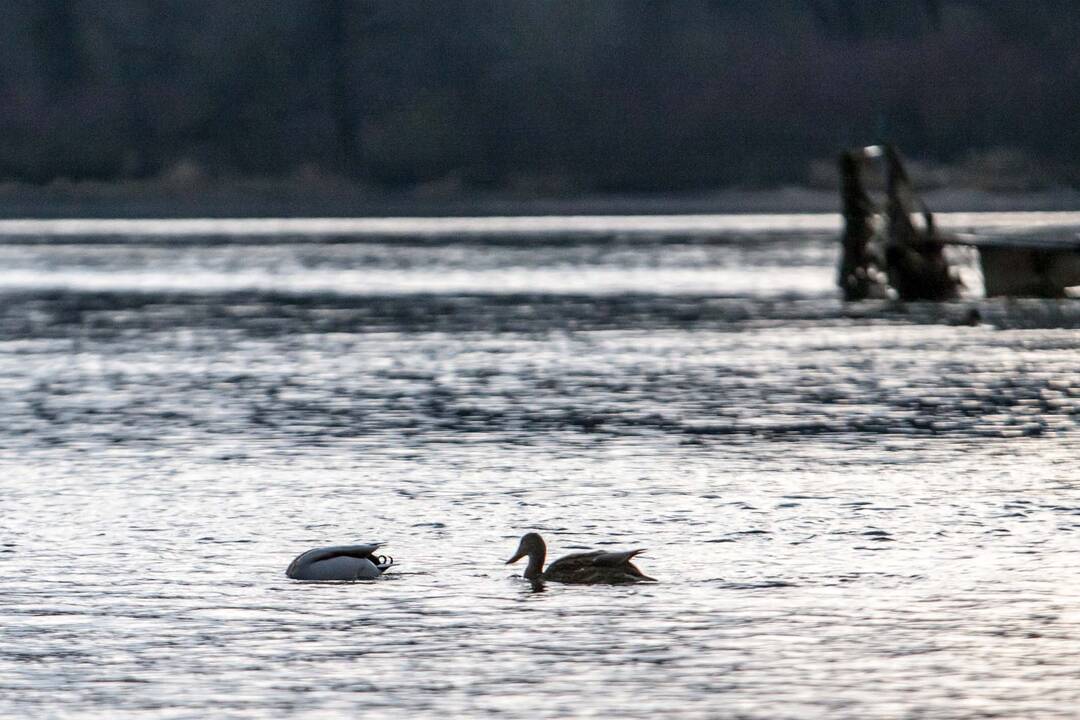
(1026, 263)
(895, 248)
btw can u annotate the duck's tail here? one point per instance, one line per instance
(634, 570)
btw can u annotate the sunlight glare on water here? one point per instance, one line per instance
(861, 511)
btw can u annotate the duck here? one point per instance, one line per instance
(596, 567)
(339, 562)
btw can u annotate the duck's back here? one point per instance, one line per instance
(596, 567)
(342, 562)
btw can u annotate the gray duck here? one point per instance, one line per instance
(596, 567)
(339, 562)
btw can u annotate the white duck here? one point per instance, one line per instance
(339, 562)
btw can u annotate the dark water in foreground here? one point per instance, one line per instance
(854, 512)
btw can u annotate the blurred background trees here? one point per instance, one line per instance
(535, 96)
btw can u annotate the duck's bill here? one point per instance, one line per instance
(515, 558)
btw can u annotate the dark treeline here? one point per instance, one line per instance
(543, 96)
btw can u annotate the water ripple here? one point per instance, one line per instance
(854, 511)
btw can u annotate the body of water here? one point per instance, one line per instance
(853, 511)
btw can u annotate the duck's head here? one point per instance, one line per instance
(531, 544)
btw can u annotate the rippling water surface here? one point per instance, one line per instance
(861, 511)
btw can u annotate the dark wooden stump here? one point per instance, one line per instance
(860, 275)
(914, 257)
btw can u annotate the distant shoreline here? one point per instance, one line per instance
(249, 200)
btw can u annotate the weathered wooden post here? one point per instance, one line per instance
(914, 258)
(860, 274)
